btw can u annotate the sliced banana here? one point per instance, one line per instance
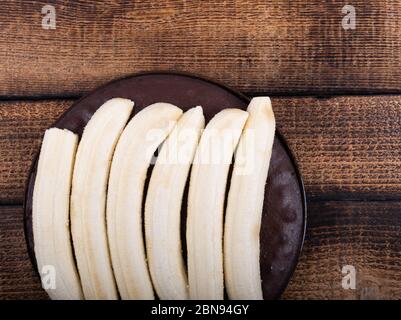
(50, 215)
(206, 203)
(245, 203)
(163, 207)
(131, 160)
(88, 197)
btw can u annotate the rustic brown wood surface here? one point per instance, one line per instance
(22, 126)
(348, 146)
(289, 46)
(365, 235)
(17, 277)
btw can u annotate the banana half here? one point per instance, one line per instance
(245, 203)
(206, 203)
(163, 207)
(88, 197)
(131, 160)
(50, 215)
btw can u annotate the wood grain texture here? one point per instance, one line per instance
(365, 235)
(255, 46)
(17, 277)
(346, 147)
(22, 125)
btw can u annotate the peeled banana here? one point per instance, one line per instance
(50, 215)
(163, 207)
(206, 203)
(245, 203)
(88, 197)
(132, 157)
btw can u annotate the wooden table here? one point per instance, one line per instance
(336, 95)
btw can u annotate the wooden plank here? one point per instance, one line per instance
(365, 235)
(22, 125)
(362, 234)
(255, 46)
(346, 147)
(17, 277)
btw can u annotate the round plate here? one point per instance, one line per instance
(284, 210)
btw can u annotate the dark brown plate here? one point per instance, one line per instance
(284, 211)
